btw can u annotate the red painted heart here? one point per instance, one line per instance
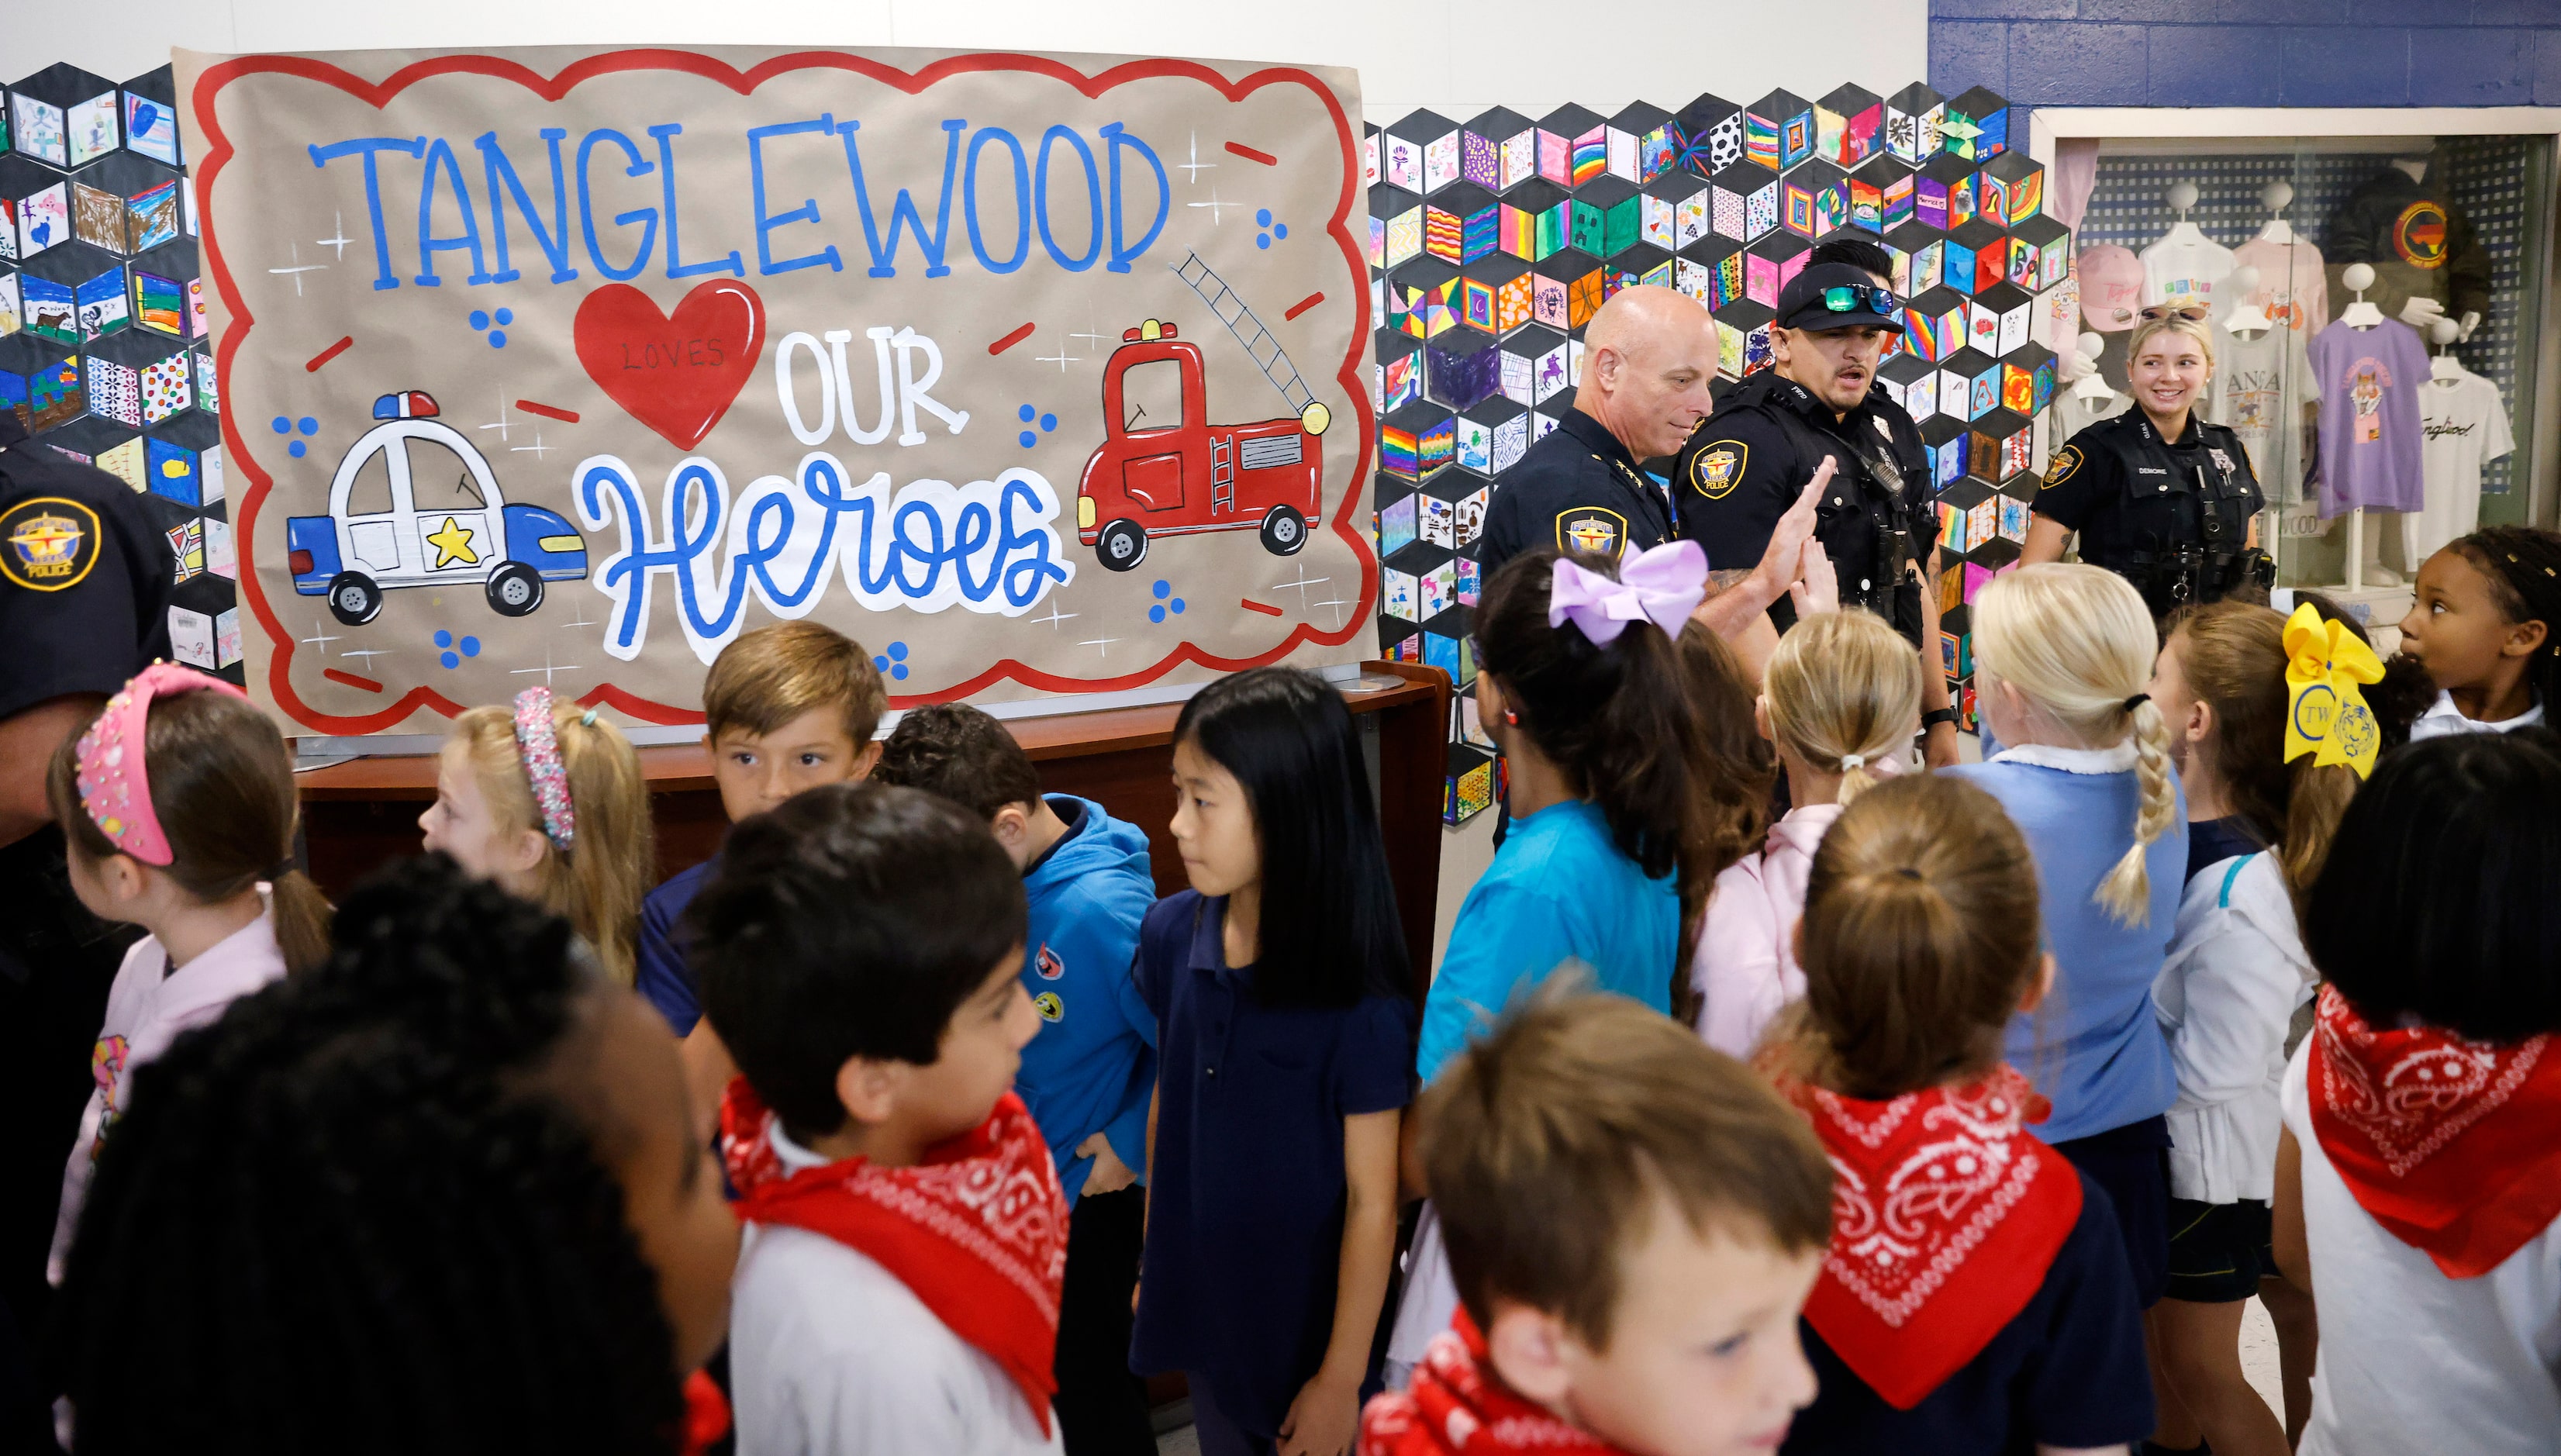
(676, 374)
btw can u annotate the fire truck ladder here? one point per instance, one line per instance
(1259, 345)
(1222, 474)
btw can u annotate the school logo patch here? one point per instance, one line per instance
(1590, 528)
(47, 542)
(1048, 964)
(1050, 1006)
(2062, 468)
(2419, 234)
(1719, 467)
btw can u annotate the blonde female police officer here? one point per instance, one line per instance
(2158, 496)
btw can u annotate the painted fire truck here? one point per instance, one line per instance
(1190, 477)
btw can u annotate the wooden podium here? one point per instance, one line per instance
(359, 814)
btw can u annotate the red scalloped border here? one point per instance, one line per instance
(1346, 524)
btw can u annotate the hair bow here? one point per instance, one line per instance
(113, 775)
(1662, 585)
(2325, 713)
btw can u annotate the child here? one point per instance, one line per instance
(1582, 687)
(859, 949)
(1976, 1297)
(442, 1195)
(1841, 700)
(2258, 830)
(1634, 1222)
(178, 808)
(546, 801)
(2419, 1179)
(1088, 1076)
(2063, 657)
(1735, 793)
(2483, 626)
(785, 707)
(1284, 1043)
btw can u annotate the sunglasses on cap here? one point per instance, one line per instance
(1847, 299)
(2194, 314)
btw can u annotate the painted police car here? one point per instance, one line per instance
(412, 504)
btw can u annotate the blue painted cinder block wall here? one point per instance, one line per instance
(2250, 52)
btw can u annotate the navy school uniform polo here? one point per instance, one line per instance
(1245, 1226)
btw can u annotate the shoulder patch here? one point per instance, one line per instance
(48, 542)
(1717, 468)
(2066, 463)
(1594, 529)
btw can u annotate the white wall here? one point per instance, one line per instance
(1457, 56)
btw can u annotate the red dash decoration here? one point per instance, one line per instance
(1010, 340)
(1249, 604)
(351, 680)
(1251, 155)
(548, 411)
(325, 354)
(1301, 306)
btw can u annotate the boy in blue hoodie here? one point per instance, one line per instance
(1088, 1075)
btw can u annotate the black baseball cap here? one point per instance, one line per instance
(1837, 296)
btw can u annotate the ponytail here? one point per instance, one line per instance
(1614, 718)
(1844, 696)
(302, 919)
(2524, 569)
(2077, 642)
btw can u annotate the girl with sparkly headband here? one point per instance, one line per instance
(546, 800)
(178, 807)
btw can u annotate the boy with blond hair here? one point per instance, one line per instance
(1633, 1223)
(785, 707)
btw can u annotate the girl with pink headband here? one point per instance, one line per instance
(178, 808)
(546, 800)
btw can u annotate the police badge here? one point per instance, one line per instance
(1719, 466)
(1590, 529)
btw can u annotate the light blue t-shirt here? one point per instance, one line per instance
(1558, 890)
(2093, 1047)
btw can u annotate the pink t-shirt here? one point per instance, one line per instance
(1745, 968)
(146, 1010)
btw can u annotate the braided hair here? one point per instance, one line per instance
(2524, 566)
(348, 1215)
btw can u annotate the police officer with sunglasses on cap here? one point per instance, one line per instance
(2157, 495)
(1746, 465)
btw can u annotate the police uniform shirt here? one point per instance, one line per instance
(84, 577)
(1746, 465)
(2127, 491)
(1577, 489)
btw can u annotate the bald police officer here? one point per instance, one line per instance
(85, 585)
(1817, 401)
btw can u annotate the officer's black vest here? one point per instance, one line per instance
(1868, 468)
(2179, 531)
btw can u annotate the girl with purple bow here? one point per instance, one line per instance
(178, 808)
(1579, 680)
(546, 801)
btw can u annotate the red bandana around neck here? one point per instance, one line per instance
(978, 1231)
(1458, 1405)
(2447, 1143)
(1946, 1215)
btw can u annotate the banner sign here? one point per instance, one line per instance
(1032, 373)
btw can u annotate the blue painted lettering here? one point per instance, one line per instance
(554, 243)
(666, 133)
(636, 166)
(367, 147)
(807, 211)
(903, 212)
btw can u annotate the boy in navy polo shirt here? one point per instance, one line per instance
(1087, 1076)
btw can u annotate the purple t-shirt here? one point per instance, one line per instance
(2369, 416)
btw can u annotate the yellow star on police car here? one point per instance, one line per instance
(453, 544)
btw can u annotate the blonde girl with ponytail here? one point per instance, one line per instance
(1840, 704)
(2078, 754)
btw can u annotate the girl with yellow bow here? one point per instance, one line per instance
(2272, 733)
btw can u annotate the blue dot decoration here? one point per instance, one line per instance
(1273, 230)
(1163, 590)
(1156, 614)
(1028, 415)
(895, 663)
(1028, 440)
(897, 651)
(506, 315)
(1177, 605)
(1166, 603)
(448, 659)
(471, 645)
(1280, 231)
(307, 424)
(1049, 422)
(444, 638)
(283, 425)
(1262, 240)
(481, 321)
(297, 450)
(1263, 216)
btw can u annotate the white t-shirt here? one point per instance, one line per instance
(2259, 387)
(2443, 717)
(2412, 1360)
(2467, 428)
(2074, 414)
(2186, 266)
(831, 1355)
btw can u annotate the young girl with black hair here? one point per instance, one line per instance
(178, 809)
(1284, 1038)
(443, 1195)
(2486, 625)
(2418, 1181)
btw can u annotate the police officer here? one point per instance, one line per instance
(1819, 401)
(1648, 355)
(85, 585)
(2158, 496)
